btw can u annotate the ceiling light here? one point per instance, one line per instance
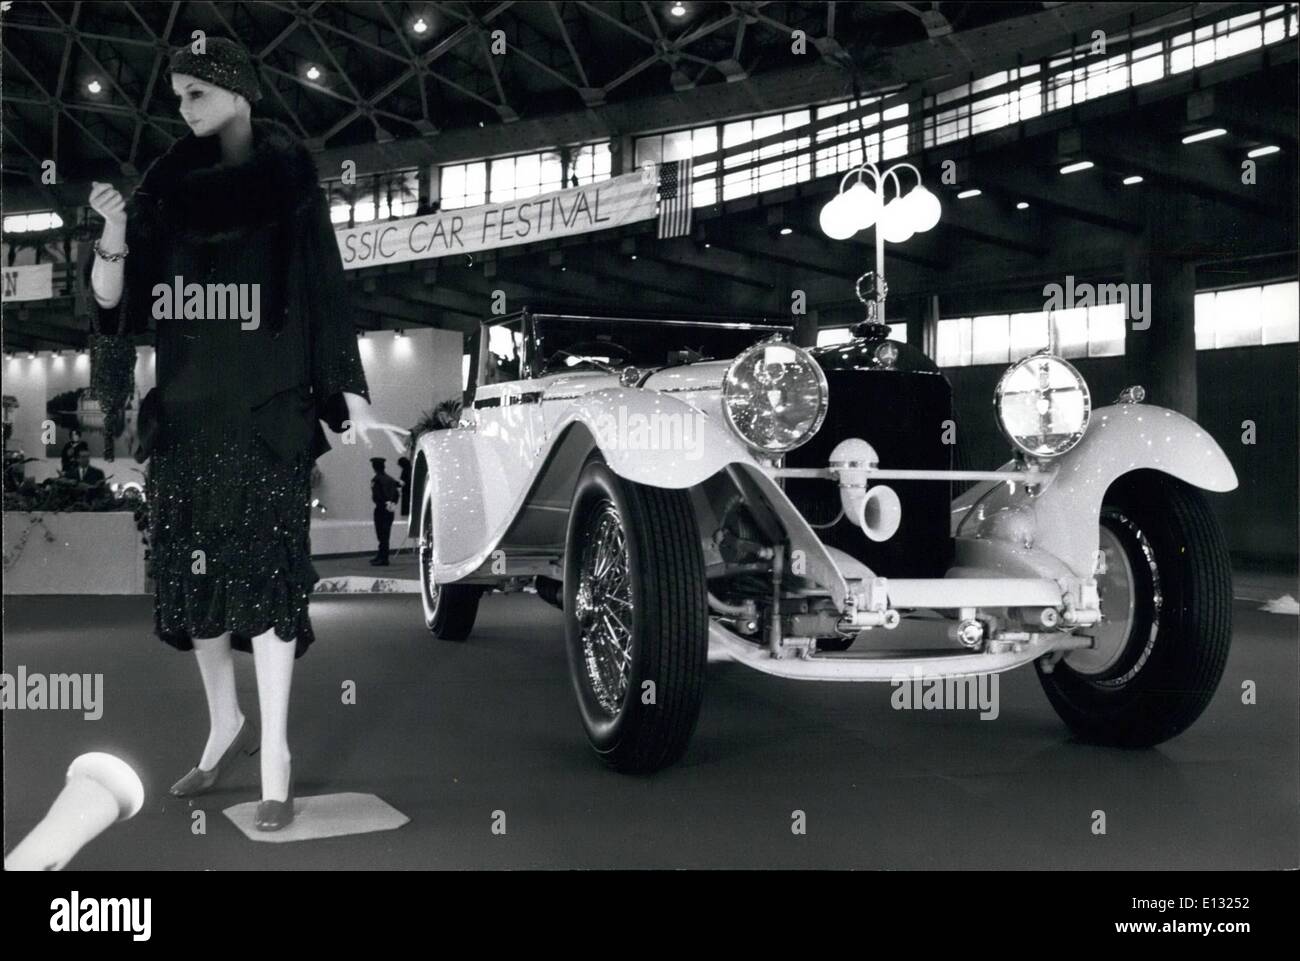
(420, 26)
(1077, 166)
(967, 194)
(678, 10)
(94, 86)
(634, 256)
(1204, 135)
(1022, 206)
(786, 231)
(1130, 181)
(1263, 151)
(313, 72)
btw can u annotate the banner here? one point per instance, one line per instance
(28, 283)
(599, 206)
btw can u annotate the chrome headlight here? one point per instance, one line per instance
(1043, 405)
(774, 397)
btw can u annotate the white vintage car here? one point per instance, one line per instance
(676, 484)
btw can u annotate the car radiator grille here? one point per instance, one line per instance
(901, 414)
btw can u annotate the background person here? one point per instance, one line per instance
(385, 493)
(68, 456)
(82, 471)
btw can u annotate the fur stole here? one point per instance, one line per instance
(190, 194)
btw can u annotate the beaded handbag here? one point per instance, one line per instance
(112, 382)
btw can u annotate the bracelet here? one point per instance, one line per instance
(112, 258)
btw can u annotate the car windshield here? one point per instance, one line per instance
(566, 343)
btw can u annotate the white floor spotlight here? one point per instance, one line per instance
(100, 790)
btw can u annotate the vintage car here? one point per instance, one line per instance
(674, 484)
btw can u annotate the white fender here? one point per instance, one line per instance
(645, 437)
(653, 438)
(1062, 520)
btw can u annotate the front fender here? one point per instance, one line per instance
(653, 438)
(1062, 519)
(645, 437)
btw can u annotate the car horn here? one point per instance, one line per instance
(877, 509)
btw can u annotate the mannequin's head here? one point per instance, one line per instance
(205, 107)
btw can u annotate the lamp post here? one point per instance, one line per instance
(896, 220)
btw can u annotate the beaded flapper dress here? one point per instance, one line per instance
(229, 478)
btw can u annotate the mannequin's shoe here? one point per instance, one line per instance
(199, 781)
(274, 815)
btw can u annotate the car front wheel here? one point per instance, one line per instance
(635, 617)
(1166, 601)
(449, 609)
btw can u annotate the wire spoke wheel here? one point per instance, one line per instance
(431, 589)
(636, 618)
(449, 609)
(604, 608)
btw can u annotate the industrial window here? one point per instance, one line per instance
(398, 195)
(1087, 81)
(661, 147)
(785, 162)
(1148, 64)
(24, 223)
(1227, 38)
(514, 178)
(463, 185)
(828, 336)
(1069, 84)
(985, 113)
(1248, 316)
(589, 164)
(1009, 106)
(789, 158)
(503, 179)
(1070, 80)
(1005, 338)
(839, 157)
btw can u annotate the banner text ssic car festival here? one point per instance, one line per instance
(598, 206)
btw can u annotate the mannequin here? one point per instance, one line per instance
(214, 111)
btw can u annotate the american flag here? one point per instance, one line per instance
(674, 198)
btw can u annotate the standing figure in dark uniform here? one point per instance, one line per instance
(242, 384)
(385, 494)
(68, 456)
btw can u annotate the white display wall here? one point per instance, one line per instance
(407, 376)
